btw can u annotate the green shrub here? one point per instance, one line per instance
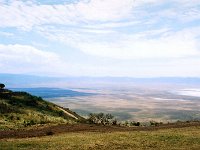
(100, 118)
(4, 108)
(154, 123)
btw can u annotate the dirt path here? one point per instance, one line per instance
(37, 132)
(71, 115)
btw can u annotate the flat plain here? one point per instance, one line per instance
(134, 104)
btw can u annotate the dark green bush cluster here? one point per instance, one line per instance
(154, 123)
(101, 118)
(2, 85)
(4, 108)
(133, 123)
(14, 117)
(29, 123)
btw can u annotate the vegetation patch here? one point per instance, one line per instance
(181, 138)
(21, 109)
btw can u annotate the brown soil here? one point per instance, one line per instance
(50, 130)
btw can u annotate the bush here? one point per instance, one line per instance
(29, 123)
(100, 118)
(154, 123)
(2, 86)
(114, 122)
(137, 124)
(4, 108)
(61, 113)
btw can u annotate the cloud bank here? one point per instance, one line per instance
(27, 59)
(100, 37)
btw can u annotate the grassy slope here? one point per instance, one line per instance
(20, 109)
(165, 139)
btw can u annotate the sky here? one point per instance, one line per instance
(129, 38)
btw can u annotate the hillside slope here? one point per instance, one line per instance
(20, 109)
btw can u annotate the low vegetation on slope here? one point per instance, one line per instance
(20, 109)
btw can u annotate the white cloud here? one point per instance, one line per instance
(159, 2)
(170, 47)
(167, 13)
(95, 31)
(25, 15)
(6, 34)
(123, 31)
(112, 25)
(161, 43)
(26, 54)
(95, 13)
(104, 10)
(27, 59)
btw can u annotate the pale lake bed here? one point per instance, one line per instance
(135, 104)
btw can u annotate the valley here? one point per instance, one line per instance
(142, 104)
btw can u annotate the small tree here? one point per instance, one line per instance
(2, 86)
(108, 119)
(100, 118)
(114, 122)
(92, 118)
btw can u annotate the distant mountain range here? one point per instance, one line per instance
(24, 81)
(52, 92)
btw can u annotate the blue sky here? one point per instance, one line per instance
(134, 38)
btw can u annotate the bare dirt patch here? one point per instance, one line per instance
(51, 130)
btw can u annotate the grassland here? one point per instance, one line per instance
(164, 139)
(20, 109)
(127, 105)
(22, 112)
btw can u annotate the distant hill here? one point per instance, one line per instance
(29, 81)
(52, 92)
(21, 109)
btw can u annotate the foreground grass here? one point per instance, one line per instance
(184, 138)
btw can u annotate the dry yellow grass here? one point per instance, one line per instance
(175, 139)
